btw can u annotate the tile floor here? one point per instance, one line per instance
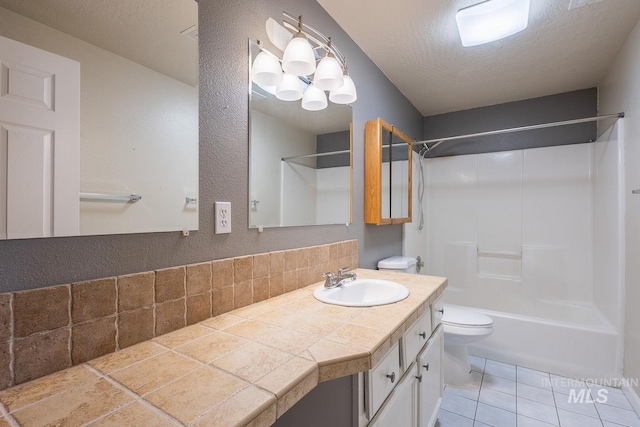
(504, 395)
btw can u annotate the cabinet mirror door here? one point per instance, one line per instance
(387, 174)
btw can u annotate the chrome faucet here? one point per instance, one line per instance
(333, 281)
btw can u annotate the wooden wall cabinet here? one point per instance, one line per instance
(387, 174)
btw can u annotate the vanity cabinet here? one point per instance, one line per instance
(387, 174)
(405, 388)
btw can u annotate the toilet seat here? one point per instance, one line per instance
(463, 318)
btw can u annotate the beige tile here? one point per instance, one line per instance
(135, 414)
(297, 392)
(199, 278)
(222, 271)
(276, 285)
(329, 352)
(154, 372)
(276, 262)
(198, 308)
(135, 327)
(41, 354)
(261, 264)
(6, 317)
(358, 336)
(75, 406)
(222, 321)
(266, 419)
(242, 269)
(373, 319)
(288, 375)
(193, 395)
(303, 258)
(182, 336)
(342, 369)
(221, 300)
(307, 323)
(135, 291)
(260, 289)
(93, 339)
(273, 336)
(290, 260)
(124, 358)
(170, 316)
(92, 300)
(170, 284)
(290, 280)
(252, 361)
(212, 346)
(4, 422)
(303, 278)
(242, 294)
(242, 409)
(6, 375)
(34, 391)
(254, 310)
(333, 252)
(41, 310)
(339, 313)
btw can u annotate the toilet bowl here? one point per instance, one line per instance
(462, 326)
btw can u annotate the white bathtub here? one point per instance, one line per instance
(568, 340)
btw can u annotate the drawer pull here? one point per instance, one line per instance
(423, 335)
(419, 378)
(441, 310)
(392, 377)
(426, 366)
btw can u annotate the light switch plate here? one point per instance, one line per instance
(223, 217)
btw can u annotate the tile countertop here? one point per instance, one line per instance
(246, 367)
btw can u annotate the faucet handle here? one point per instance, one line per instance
(343, 270)
(328, 274)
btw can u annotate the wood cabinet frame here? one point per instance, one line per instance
(373, 143)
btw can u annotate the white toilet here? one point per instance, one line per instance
(462, 326)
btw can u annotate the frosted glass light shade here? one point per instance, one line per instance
(266, 70)
(298, 58)
(345, 94)
(492, 20)
(289, 88)
(328, 75)
(314, 99)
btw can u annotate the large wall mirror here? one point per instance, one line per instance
(98, 117)
(300, 161)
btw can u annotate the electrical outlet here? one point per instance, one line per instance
(223, 217)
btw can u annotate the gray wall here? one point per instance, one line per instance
(553, 108)
(225, 26)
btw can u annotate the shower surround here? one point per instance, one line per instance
(533, 238)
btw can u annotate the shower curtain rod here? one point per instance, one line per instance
(303, 156)
(439, 141)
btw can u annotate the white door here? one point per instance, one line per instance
(400, 408)
(39, 142)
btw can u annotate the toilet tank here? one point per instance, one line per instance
(403, 264)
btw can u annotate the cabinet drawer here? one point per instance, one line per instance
(437, 311)
(382, 379)
(415, 338)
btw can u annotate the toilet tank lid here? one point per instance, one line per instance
(397, 263)
(464, 316)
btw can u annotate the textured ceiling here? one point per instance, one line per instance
(143, 31)
(416, 44)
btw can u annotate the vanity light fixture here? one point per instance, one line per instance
(299, 62)
(491, 20)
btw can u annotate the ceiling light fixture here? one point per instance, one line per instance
(491, 20)
(298, 62)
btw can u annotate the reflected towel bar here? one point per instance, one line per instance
(110, 197)
(499, 253)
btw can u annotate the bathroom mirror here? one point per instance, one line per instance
(387, 177)
(137, 132)
(300, 161)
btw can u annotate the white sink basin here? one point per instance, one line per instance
(362, 293)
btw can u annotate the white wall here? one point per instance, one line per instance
(298, 188)
(333, 195)
(139, 133)
(620, 91)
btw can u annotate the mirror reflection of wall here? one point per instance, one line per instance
(138, 104)
(300, 161)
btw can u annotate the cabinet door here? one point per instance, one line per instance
(432, 384)
(400, 409)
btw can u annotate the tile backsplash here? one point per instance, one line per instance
(50, 329)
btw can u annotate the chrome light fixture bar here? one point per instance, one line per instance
(302, 73)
